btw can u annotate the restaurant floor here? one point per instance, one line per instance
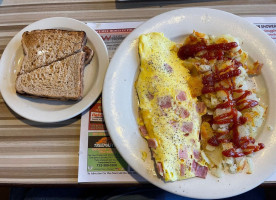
(115, 193)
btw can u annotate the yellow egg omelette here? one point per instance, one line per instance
(169, 116)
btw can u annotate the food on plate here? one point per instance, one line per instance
(170, 116)
(42, 47)
(59, 80)
(53, 64)
(221, 78)
(88, 55)
(203, 85)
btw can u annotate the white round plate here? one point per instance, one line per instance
(43, 110)
(120, 105)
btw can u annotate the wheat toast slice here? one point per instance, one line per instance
(42, 47)
(60, 80)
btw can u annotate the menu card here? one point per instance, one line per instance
(99, 161)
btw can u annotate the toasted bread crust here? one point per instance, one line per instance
(43, 47)
(89, 53)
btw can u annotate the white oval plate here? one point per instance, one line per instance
(120, 106)
(43, 110)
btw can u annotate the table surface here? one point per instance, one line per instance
(36, 153)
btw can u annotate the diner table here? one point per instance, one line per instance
(47, 153)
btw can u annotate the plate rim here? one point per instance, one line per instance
(106, 98)
(79, 106)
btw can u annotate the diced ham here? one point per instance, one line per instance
(182, 154)
(181, 96)
(168, 68)
(182, 169)
(197, 154)
(160, 168)
(187, 127)
(165, 102)
(149, 96)
(200, 171)
(152, 143)
(182, 112)
(143, 131)
(201, 108)
(174, 124)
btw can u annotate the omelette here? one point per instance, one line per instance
(169, 117)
